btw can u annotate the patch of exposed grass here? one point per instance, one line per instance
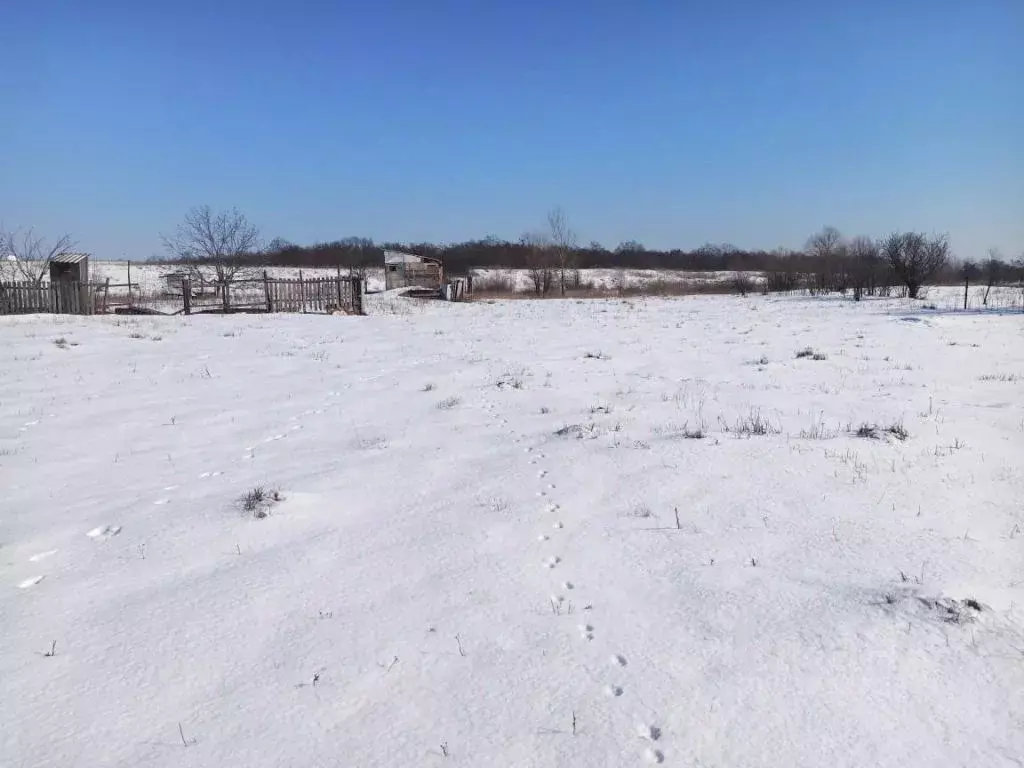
(897, 430)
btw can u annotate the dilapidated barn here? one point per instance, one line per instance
(405, 270)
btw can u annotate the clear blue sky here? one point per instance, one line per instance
(672, 122)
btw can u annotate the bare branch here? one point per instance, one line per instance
(24, 256)
(217, 247)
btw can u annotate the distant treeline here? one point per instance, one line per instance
(494, 253)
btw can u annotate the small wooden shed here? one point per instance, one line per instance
(405, 270)
(70, 268)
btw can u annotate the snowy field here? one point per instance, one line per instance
(519, 280)
(147, 275)
(524, 533)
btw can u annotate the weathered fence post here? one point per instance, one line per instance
(266, 291)
(337, 285)
(186, 295)
(86, 304)
(302, 293)
(357, 295)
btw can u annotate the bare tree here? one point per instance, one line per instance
(563, 246)
(824, 243)
(538, 261)
(216, 247)
(25, 257)
(915, 258)
(863, 255)
(827, 246)
(1018, 265)
(993, 270)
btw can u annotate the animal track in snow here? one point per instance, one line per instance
(649, 732)
(551, 562)
(619, 660)
(543, 537)
(542, 493)
(42, 555)
(553, 507)
(653, 756)
(542, 473)
(568, 585)
(587, 631)
(104, 532)
(557, 526)
(30, 582)
(613, 690)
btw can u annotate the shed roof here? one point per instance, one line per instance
(69, 258)
(397, 257)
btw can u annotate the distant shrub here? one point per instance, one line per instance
(805, 352)
(449, 403)
(869, 431)
(258, 500)
(897, 430)
(751, 425)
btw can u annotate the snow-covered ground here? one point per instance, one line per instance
(148, 275)
(520, 281)
(500, 542)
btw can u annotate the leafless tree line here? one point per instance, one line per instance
(219, 248)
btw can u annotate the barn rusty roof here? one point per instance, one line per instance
(69, 258)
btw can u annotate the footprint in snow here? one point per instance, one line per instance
(618, 660)
(30, 582)
(654, 756)
(587, 631)
(551, 562)
(557, 526)
(649, 732)
(613, 690)
(568, 585)
(542, 493)
(542, 473)
(42, 555)
(553, 507)
(104, 532)
(543, 537)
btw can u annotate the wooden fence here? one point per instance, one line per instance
(266, 294)
(274, 294)
(64, 297)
